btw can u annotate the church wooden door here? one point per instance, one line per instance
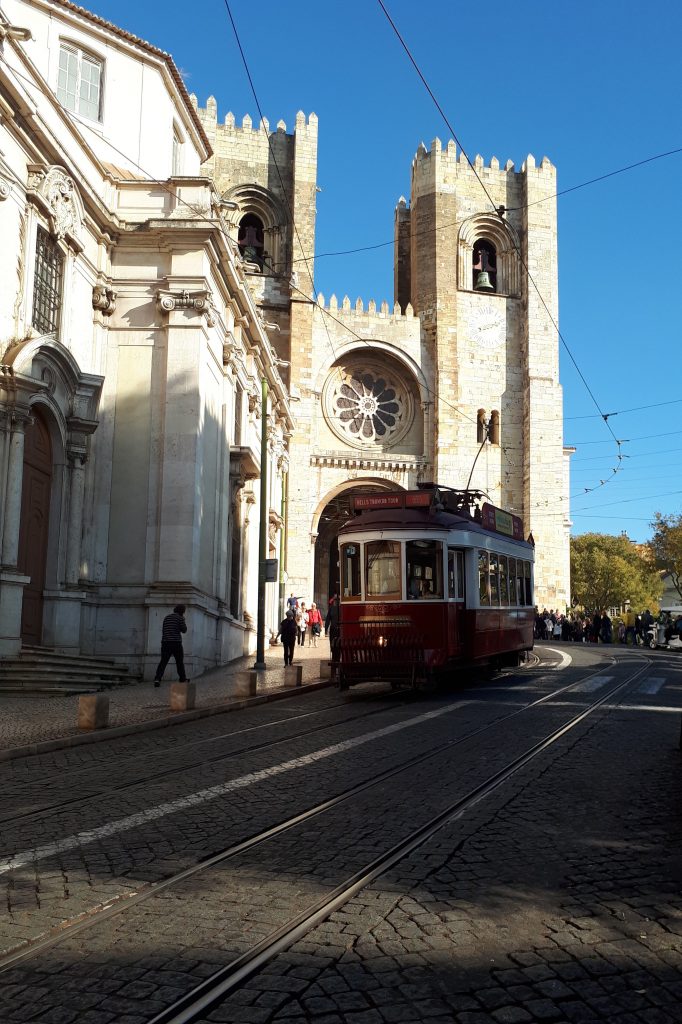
(33, 533)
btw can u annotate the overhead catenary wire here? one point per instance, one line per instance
(172, 192)
(499, 210)
(508, 209)
(178, 198)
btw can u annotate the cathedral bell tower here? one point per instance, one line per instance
(464, 248)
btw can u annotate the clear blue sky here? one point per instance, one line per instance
(594, 85)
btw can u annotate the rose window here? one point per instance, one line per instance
(368, 405)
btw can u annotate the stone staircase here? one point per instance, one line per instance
(40, 670)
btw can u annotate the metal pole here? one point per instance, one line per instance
(283, 543)
(263, 533)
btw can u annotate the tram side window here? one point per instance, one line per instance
(528, 587)
(382, 569)
(424, 567)
(513, 600)
(350, 572)
(520, 586)
(494, 579)
(483, 578)
(504, 580)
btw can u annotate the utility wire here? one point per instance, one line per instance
(500, 211)
(82, 124)
(509, 209)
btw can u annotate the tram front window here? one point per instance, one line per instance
(350, 572)
(424, 566)
(382, 569)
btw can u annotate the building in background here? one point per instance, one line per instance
(457, 381)
(132, 354)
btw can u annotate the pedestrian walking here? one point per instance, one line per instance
(292, 602)
(301, 616)
(174, 626)
(331, 626)
(288, 631)
(315, 623)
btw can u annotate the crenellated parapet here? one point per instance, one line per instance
(382, 312)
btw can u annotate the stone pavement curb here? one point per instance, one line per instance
(63, 743)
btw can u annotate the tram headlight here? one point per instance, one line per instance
(382, 641)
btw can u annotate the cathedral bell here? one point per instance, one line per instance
(483, 282)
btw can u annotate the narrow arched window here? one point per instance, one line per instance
(251, 239)
(494, 427)
(481, 426)
(484, 266)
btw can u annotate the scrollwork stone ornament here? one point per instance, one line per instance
(104, 299)
(5, 189)
(201, 302)
(61, 198)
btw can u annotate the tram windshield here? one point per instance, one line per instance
(424, 569)
(382, 569)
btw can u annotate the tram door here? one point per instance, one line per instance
(456, 600)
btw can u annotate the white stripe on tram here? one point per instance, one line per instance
(185, 803)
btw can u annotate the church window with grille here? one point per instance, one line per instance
(47, 284)
(79, 82)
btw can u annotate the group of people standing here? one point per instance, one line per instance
(595, 627)
(301, 621)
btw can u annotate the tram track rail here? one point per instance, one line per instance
(122, 903)
(47, 809)
(193, 1006)
(56, 808)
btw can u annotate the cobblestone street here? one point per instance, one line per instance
(551, 893)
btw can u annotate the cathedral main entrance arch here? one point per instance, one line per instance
(35, 522)
(334, 514)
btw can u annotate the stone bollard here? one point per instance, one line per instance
(182, 696)
(93, 711)
(325, 669)
(293, 675)
(246, 687)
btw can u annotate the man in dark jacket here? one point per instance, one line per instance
(174, 626)
(331, 626)
(288, 632)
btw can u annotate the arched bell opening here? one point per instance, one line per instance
(251, 239)
(484, 266)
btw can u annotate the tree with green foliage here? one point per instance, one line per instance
(608, 572)
(666, 547)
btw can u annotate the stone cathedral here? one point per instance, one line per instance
(456, 381)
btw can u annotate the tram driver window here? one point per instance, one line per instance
(382, 569)
(350, 572)
(456, 574)
(424, 569)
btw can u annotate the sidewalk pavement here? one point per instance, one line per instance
(37, 722)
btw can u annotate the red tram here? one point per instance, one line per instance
(431, 580)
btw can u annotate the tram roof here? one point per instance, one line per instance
(420, 519)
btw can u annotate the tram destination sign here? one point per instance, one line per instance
(393, 499)
(497, 519)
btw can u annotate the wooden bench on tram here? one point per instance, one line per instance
(396, 658)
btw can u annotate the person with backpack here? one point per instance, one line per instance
(288, 631)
